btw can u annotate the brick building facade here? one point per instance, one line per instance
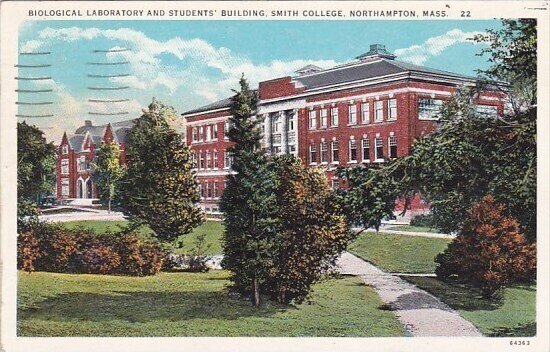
(366, 111)
(76, 153)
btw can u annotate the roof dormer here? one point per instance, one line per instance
(308, 69)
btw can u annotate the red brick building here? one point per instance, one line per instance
(77, 152)
(364, 111)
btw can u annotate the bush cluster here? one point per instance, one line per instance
(423, 220)
(51, 247)
(489, 252)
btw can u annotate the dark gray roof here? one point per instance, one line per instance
(120, 130)
(365, 70)
(224, 103)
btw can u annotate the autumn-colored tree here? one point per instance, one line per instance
(311, 231)
(159, 187)
(107, 171)
(489, 252)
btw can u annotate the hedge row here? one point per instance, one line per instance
(50, 247)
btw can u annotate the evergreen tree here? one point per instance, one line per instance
(248, 200)
(107, 171)
(160, 187)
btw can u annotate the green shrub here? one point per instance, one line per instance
(139, 257)
(423, 220)
(97, 258)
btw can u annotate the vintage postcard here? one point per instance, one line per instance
(274, 175)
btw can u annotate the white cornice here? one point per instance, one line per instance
(184, 115)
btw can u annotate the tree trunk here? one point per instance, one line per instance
(256, 292)
(109, 206)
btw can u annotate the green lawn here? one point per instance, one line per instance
(410, 228)
(212, 229)
(399, 253)
(190, 304)
(512, 315)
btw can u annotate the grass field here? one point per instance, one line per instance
(399, 253)
(512, 315)
(189, 304)
(212, 229)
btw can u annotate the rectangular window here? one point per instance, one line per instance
(64, 166)
(378, 111)
(201, 133)
(365, 144)
(216, 193)
(208, 133)
(65, 149)
(392, 109)
(324, 152)
(323, 117)
(334, 116)
(429, 109)
(208, 160)
(352, 150)
(487, 110)
(226, 129)
(215, 131)
(312, 153)
(352, 114)
(201, 190)
(201, 161)
(227, 160)
(392, 143)
(215, 159)
(335, 184)
(312, 119)
(81, 163)
(335, 152)
(195, 133)
(290, 123)
(365, 112)
(208, 191)
(64, 186)
(276, 124)
(193, 159)
(378, 149)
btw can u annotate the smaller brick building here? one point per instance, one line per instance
(76, 153)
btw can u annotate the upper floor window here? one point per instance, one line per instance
(334, 116)
(323, 117)
(215, 159)
(195, 134)
(65, 166)
(378, 111)
(392, 143)
(201, 161)
(226, 125)
(81, 164)
(215, 187)
(392, 109)
(201, 133)
(365, 144)
(227, 160)
(208, 133)
(352, 114)
(487, 110)
(378, 149)
(276, 124)
(215, 131)
(65, 149)
(193, 159)
(312, 153)
(290, 123)
(324, 152)
(208, 160)
(335, 152)
(208, 191)
(312, 119)
(352, 150)
(429, 108)
(365, 112)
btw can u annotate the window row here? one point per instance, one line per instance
(356, 149)
(356, 113)
(430, 109)
(210, 160)
(208, 133)
(277, 124)
(211, 190)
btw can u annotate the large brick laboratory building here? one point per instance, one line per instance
(364, 111)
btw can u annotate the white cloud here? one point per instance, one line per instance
(434, 46)
(196, 57)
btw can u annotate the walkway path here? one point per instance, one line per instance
(83, 214)
(420, 313)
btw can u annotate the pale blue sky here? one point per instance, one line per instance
(191, 63)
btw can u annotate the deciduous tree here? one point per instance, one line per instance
(107, 171)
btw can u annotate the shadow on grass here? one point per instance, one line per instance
(457, 296)
(140, 307)
(526, 330)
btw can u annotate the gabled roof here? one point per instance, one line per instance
(96, 133)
